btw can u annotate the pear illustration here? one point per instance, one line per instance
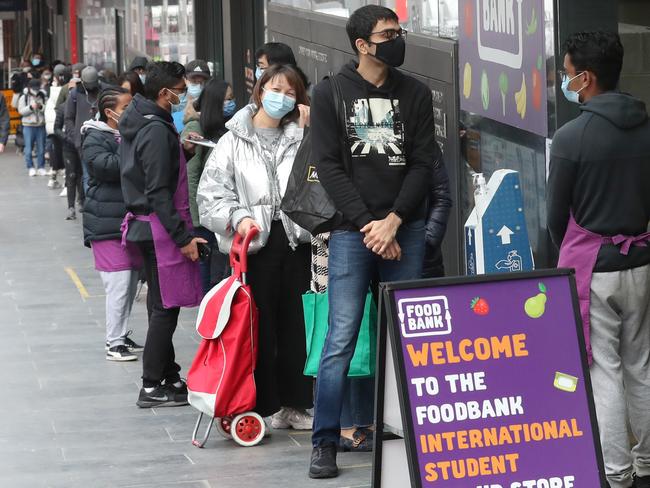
(536, 306)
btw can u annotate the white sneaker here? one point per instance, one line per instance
(41, 172)
(64, 192)
(292, 418)
(32, 172)
(268, 431)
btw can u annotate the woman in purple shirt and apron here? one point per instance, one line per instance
(103, 212)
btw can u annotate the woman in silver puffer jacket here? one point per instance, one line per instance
(242, 187)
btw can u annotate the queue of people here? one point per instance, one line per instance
(167, 170)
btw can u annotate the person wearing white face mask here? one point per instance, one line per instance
(242, 187)
(31, 107)
(81, 105)
(197, 72)
(209, 125)
(139, 66)
(102, 217)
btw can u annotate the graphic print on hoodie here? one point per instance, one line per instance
(391, 137)
(375, 128)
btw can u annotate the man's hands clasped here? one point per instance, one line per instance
(380, 237)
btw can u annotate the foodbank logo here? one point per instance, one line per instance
(424, 316)
(312, 174)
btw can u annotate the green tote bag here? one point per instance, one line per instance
(316, 312)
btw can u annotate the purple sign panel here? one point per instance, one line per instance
(494, 376)
(502, 61)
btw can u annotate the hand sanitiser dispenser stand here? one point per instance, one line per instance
(496, 236)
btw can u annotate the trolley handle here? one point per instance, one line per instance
(239, 250)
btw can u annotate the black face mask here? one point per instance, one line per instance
(391, 52)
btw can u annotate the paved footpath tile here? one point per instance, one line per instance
(68, 417)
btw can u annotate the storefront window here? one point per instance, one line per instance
(340, 8)
(430, 17)
(161, 29)
(99, 37)
(169, 30)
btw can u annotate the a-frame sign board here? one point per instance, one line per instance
(483, 382)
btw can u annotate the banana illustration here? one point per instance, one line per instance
(467, 80)
(520, 97)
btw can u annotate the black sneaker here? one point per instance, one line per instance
(120, 353)
(161, 396)
(131, 344)
(178, 393)
(641, 482)
(323, 461)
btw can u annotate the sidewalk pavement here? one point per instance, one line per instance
(69, 417)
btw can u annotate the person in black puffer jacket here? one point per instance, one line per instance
(104, 211)
(440, 204)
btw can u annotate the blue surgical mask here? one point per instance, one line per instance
(572, 96)
(277, 105)
(229, 107)
(36, 62)
(182, 101)
(258, 73)
(143, 78)
(194, 90)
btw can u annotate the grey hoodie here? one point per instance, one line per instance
(600, 171)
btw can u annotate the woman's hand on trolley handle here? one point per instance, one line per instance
(246, 224)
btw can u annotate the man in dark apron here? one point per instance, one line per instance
(598, 211)
(154, 183)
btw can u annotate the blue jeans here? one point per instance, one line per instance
(358, 403)
(85, 177)
(205, 265)
(351, 267)
(34, 135)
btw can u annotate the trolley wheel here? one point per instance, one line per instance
(223, 426)
(248, 429)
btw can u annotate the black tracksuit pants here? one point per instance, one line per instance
(278, 277)
(158, 358)
(73, 174)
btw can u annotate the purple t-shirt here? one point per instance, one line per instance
(111, 256)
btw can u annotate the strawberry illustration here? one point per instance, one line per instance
(480, 306)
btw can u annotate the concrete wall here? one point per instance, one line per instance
(635, 78)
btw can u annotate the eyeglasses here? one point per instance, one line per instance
(390, 34)
(563, 74)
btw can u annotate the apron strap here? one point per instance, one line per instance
(626, 242)
(124, 226)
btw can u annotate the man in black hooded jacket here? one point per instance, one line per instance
(382, 196)
(599, 189)
(150, 155)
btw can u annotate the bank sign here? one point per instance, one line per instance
(494, 383)
(503, 62)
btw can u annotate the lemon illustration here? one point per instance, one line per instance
(467, 81)
(536, 306)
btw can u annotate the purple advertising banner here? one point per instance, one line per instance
(494, 377)
(502, 61)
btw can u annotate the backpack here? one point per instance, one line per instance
(305, 201)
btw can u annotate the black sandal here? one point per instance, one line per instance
(361, 441)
